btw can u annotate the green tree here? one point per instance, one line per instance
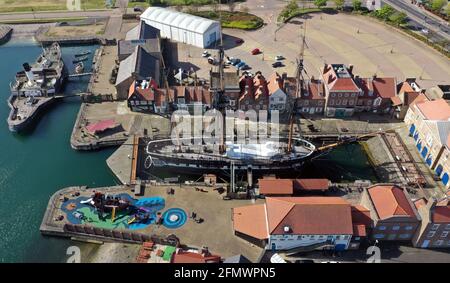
(292, 6)
(398, 18)
(339, 4)
(320, 3)
(448, 9)
(385, 12)
(356, 5)
(437, 5)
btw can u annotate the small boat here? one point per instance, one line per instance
(79, 68)
(83, 53)
(76, 60)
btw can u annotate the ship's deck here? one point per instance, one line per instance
(23, 110)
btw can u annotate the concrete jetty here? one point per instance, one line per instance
(5, 34)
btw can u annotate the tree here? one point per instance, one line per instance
(356, 5)
(320, 3)
(385, 12)
(437, 5)
(448, 9)
(398, 18)
(292, 6)
(339, 4)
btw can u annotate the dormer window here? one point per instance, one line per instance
(287, 229)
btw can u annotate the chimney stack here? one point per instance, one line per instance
(350, 69)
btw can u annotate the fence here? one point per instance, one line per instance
(119, 235)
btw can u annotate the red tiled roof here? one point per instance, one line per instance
(441, 214)
(384, 87)
(276, 186)
(309, 215)
(190, 257)
(251, 220)
(434, 109)
(390, 201)
(275, 83)
(312, 184)
(361, 215)
(420, 203)
(396, 101)
(315, 90)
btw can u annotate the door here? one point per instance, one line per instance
(429, 160)
(425, 244)
(439, 170)
(445, 179)
(412, 129)
(424, 151)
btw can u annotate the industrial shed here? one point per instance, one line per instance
(183, 27)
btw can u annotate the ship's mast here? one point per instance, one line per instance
(300, 86)
(220, 92)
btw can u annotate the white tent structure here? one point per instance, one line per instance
(183, 27)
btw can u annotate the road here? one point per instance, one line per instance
(420, 16)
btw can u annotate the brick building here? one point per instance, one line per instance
(394, 216)
(434, 230)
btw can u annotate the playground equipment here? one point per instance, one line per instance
(104, 203)
(142, 214)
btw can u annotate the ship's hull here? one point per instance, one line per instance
(15, 126)
(207, 162)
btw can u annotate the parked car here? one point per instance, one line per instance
(240, 64)
(211, 60)
(279, 57)
(277, 64)
(244, 67)
(425, 31)
(239, 41)
(256, 51)
(138, 9)
(235, 61)
(205, 54)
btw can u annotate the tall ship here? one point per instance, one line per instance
(35, 87)
(285, 153)
(269, 156)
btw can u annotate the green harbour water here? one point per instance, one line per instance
(35, 165)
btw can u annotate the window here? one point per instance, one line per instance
(331, 102)
(346, 237)
(320, 103)
(306, 102)
(447, 227)
(280, 99)
(435, 226)
(346, 95)
(444, 234)
(382, 228)
(333, 95)
(392, 236)
(438, 243)
(340, 95)
(353, 94)
(338, 102)
(431, 234)
(396, 228)
(351, 102)
(378, 236)
(404, 236)
(232, 102)
(344, 102)
(409, 228)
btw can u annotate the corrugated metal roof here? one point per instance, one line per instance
(178, 19)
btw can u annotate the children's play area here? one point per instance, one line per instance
(122, 211)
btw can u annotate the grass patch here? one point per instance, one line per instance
(286, 15)
(237, 20)
(14, 6)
